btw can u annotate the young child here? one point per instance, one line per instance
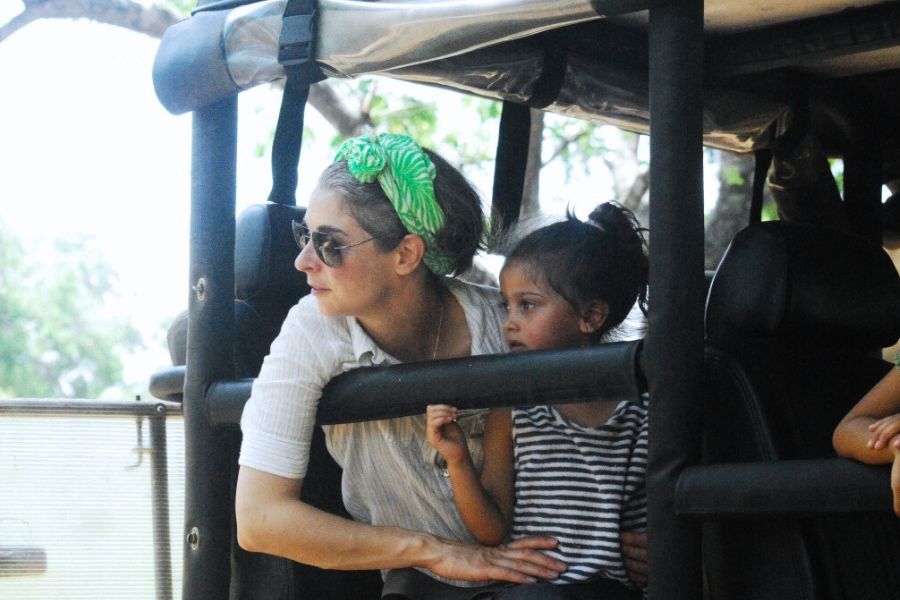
(572, 471)
(870, 432)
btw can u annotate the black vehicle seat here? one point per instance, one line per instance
(795, 319)
(266, 287)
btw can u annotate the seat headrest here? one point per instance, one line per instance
(787, 280)
(264, 254)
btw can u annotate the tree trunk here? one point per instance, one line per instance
(121, 13)
(531, 200)
(347, 121)
(732, 211)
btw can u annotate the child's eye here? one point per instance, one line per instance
(526, 305)
(504, 306)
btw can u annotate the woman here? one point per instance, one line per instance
(387, 223)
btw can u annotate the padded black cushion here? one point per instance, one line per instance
(807, 283)
(266, 285)
(264, 253)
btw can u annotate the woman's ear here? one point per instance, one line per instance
(593, 315)
(410, 252)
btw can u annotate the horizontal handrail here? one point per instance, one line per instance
(782, 488)
(85, 407)
(487, 381)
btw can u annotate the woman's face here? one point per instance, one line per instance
(537, 318)
(359, 284)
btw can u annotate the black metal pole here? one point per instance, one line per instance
(863, 161)
(510, 164)
(674, 347)
(862, 188)
(210, 332)
(159, 488)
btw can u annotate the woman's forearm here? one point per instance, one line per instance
(272, 520)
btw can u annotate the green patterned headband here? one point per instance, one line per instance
(406, 175)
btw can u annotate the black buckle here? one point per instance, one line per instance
(295, 44)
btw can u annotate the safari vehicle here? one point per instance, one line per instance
(747, 375)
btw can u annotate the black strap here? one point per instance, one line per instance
(509, 166)
(762, 161)
(288, 139)
(553, 75)
(296, 52)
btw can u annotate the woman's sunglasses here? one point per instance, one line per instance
(326, 247)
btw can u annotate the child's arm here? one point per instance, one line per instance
(870, 432)
(871, 427)
(485, 504)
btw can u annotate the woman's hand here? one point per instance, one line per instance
(519, 561)
(634, 553)
(444, 434)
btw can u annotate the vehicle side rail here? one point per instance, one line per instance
(487, 381)
(86, 407)
(782, 488)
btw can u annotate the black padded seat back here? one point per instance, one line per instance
(785, 281)
(266, 285)
(794, 319)
(265, 280)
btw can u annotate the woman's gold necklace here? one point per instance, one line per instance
(437, 338)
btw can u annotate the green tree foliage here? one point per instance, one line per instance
(56, 339)
(387, 112)
(181, 8)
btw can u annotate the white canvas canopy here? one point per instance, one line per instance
(508, 50)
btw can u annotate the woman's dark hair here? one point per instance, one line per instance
(604, 259)
(463, 230)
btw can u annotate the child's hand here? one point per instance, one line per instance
(634, 554)
(444, 434)
(885, 432)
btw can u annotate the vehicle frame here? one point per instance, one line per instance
(832, 65)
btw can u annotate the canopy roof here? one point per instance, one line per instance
(837, 61)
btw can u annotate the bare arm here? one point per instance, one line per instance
(866, 432)
(485, 503)
(270, 519)
(870, 432)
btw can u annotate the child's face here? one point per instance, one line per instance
(537, 318)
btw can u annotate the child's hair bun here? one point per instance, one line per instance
(617, 221)
(622, 229)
